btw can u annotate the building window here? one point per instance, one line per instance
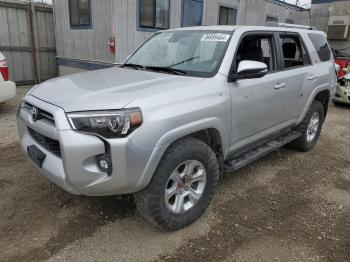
(227, 16)
(80, 13)
(289, 21)
(154, 14)
(270, 19)
(192, 13)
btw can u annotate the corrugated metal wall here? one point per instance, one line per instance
(211, 14)
(127, 37)
(91, 44)
(320, 16)
(254, 12)
(16, 44)
(250, 12)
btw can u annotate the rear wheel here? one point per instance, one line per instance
(310, 128)
(181, 187)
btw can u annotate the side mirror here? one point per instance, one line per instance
(248, 69)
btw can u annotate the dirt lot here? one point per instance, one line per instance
(286, 207)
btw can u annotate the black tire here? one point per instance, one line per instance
(151, 202)
(302, 144)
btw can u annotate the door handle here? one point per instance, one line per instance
(280, 85)
(312, 77)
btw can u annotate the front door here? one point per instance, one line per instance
(192, 13)
(257, 104)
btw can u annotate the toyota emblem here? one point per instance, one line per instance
(34, 112)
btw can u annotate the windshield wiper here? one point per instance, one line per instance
(156, 68)
(184, 61)
(167, 69)
(136, 66)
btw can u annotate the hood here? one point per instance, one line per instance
(111, 88)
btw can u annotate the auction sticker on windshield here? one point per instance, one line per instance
(215, 37)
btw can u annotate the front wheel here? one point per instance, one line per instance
(310, 128)
(181, 187)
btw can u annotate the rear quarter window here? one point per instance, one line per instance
(321, 45)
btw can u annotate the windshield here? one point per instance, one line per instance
(187, 52)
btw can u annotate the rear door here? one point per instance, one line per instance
(297, 73)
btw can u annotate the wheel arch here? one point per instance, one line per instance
(212, 138)
(210, 131)
(321, 94)
(323, 97)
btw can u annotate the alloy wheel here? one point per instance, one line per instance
(313, 126)
(185, 186)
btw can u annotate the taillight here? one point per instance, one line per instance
(4, 70)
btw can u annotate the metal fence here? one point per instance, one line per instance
(27, 40)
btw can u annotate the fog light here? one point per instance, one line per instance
(105, 163)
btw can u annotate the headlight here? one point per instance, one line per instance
(109, 124)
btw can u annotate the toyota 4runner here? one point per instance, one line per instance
(187, 105)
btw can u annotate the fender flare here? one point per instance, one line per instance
(312, 97)
(171, 136)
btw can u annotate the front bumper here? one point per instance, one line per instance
(75, 169)
(7, 90)
(342, 95)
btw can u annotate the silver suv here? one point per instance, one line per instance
(189, 104)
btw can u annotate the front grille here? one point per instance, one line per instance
(49, 144)
(42, 114)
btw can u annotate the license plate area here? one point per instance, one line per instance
(36, 155)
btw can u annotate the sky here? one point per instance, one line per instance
(304, 3)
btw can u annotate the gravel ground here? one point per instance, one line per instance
(8, 129)
(287, 206)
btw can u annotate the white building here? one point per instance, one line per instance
(333, 17)
(84, 27)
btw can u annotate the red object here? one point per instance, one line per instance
(111, 44)
(343, 63)
(4, 70)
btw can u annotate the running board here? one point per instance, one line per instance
(253, 154)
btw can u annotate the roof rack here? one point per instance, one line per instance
(275, 24)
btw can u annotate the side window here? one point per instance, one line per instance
(294, 53)
(154, 14)
(80, 13)
(257, 48)
(227, 16)
(321, 46)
